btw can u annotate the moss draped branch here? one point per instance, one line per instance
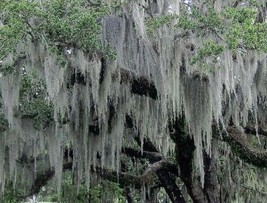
(124, 179)
(241, 146)
(140, 85)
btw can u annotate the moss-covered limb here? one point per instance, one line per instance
(147, 144)
(211, 185)
(185, 149)
(254, 131)
(152, 156)
(140, 85)
(143, 86)
(110, 175)
(168, 181)
(242, 148)
(124, 179)
(42, 180)
(165, 171)
(159, 170)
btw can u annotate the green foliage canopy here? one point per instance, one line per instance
(33, 102)
(56, 23)
(230, 28)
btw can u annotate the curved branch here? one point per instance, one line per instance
(240, 145)
(151, 156)
(124, 178)
(107, 174)
(43, 178)
(254, 131)
(140, 85)
(165, 171)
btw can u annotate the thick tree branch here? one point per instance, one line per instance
(185, 155)
(122, 178)
(42, 180)
(152, 157)
(254, 131)
(185, 148)
(147, 144)
(168, 181)
(140, 85)
(240, 145)
(164, 171)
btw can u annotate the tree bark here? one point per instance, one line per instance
(163, 171)
(185, 148)
(242, 148)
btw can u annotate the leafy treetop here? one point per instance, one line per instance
(57, 23)
(230, 28)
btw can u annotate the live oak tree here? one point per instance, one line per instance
(134, 100)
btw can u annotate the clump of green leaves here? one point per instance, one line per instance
(57, 23)
(233, 28)
(70, 22)
(153, 24)
(10, 195)
(15, 17)
(33, 102)
(201, 23)
(208, 49)
(244, 30)
(6, 69)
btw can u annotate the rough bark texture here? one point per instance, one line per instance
(185, 159)
(240, 145)
(166, 172)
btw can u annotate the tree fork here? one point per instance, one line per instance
(163, 172)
